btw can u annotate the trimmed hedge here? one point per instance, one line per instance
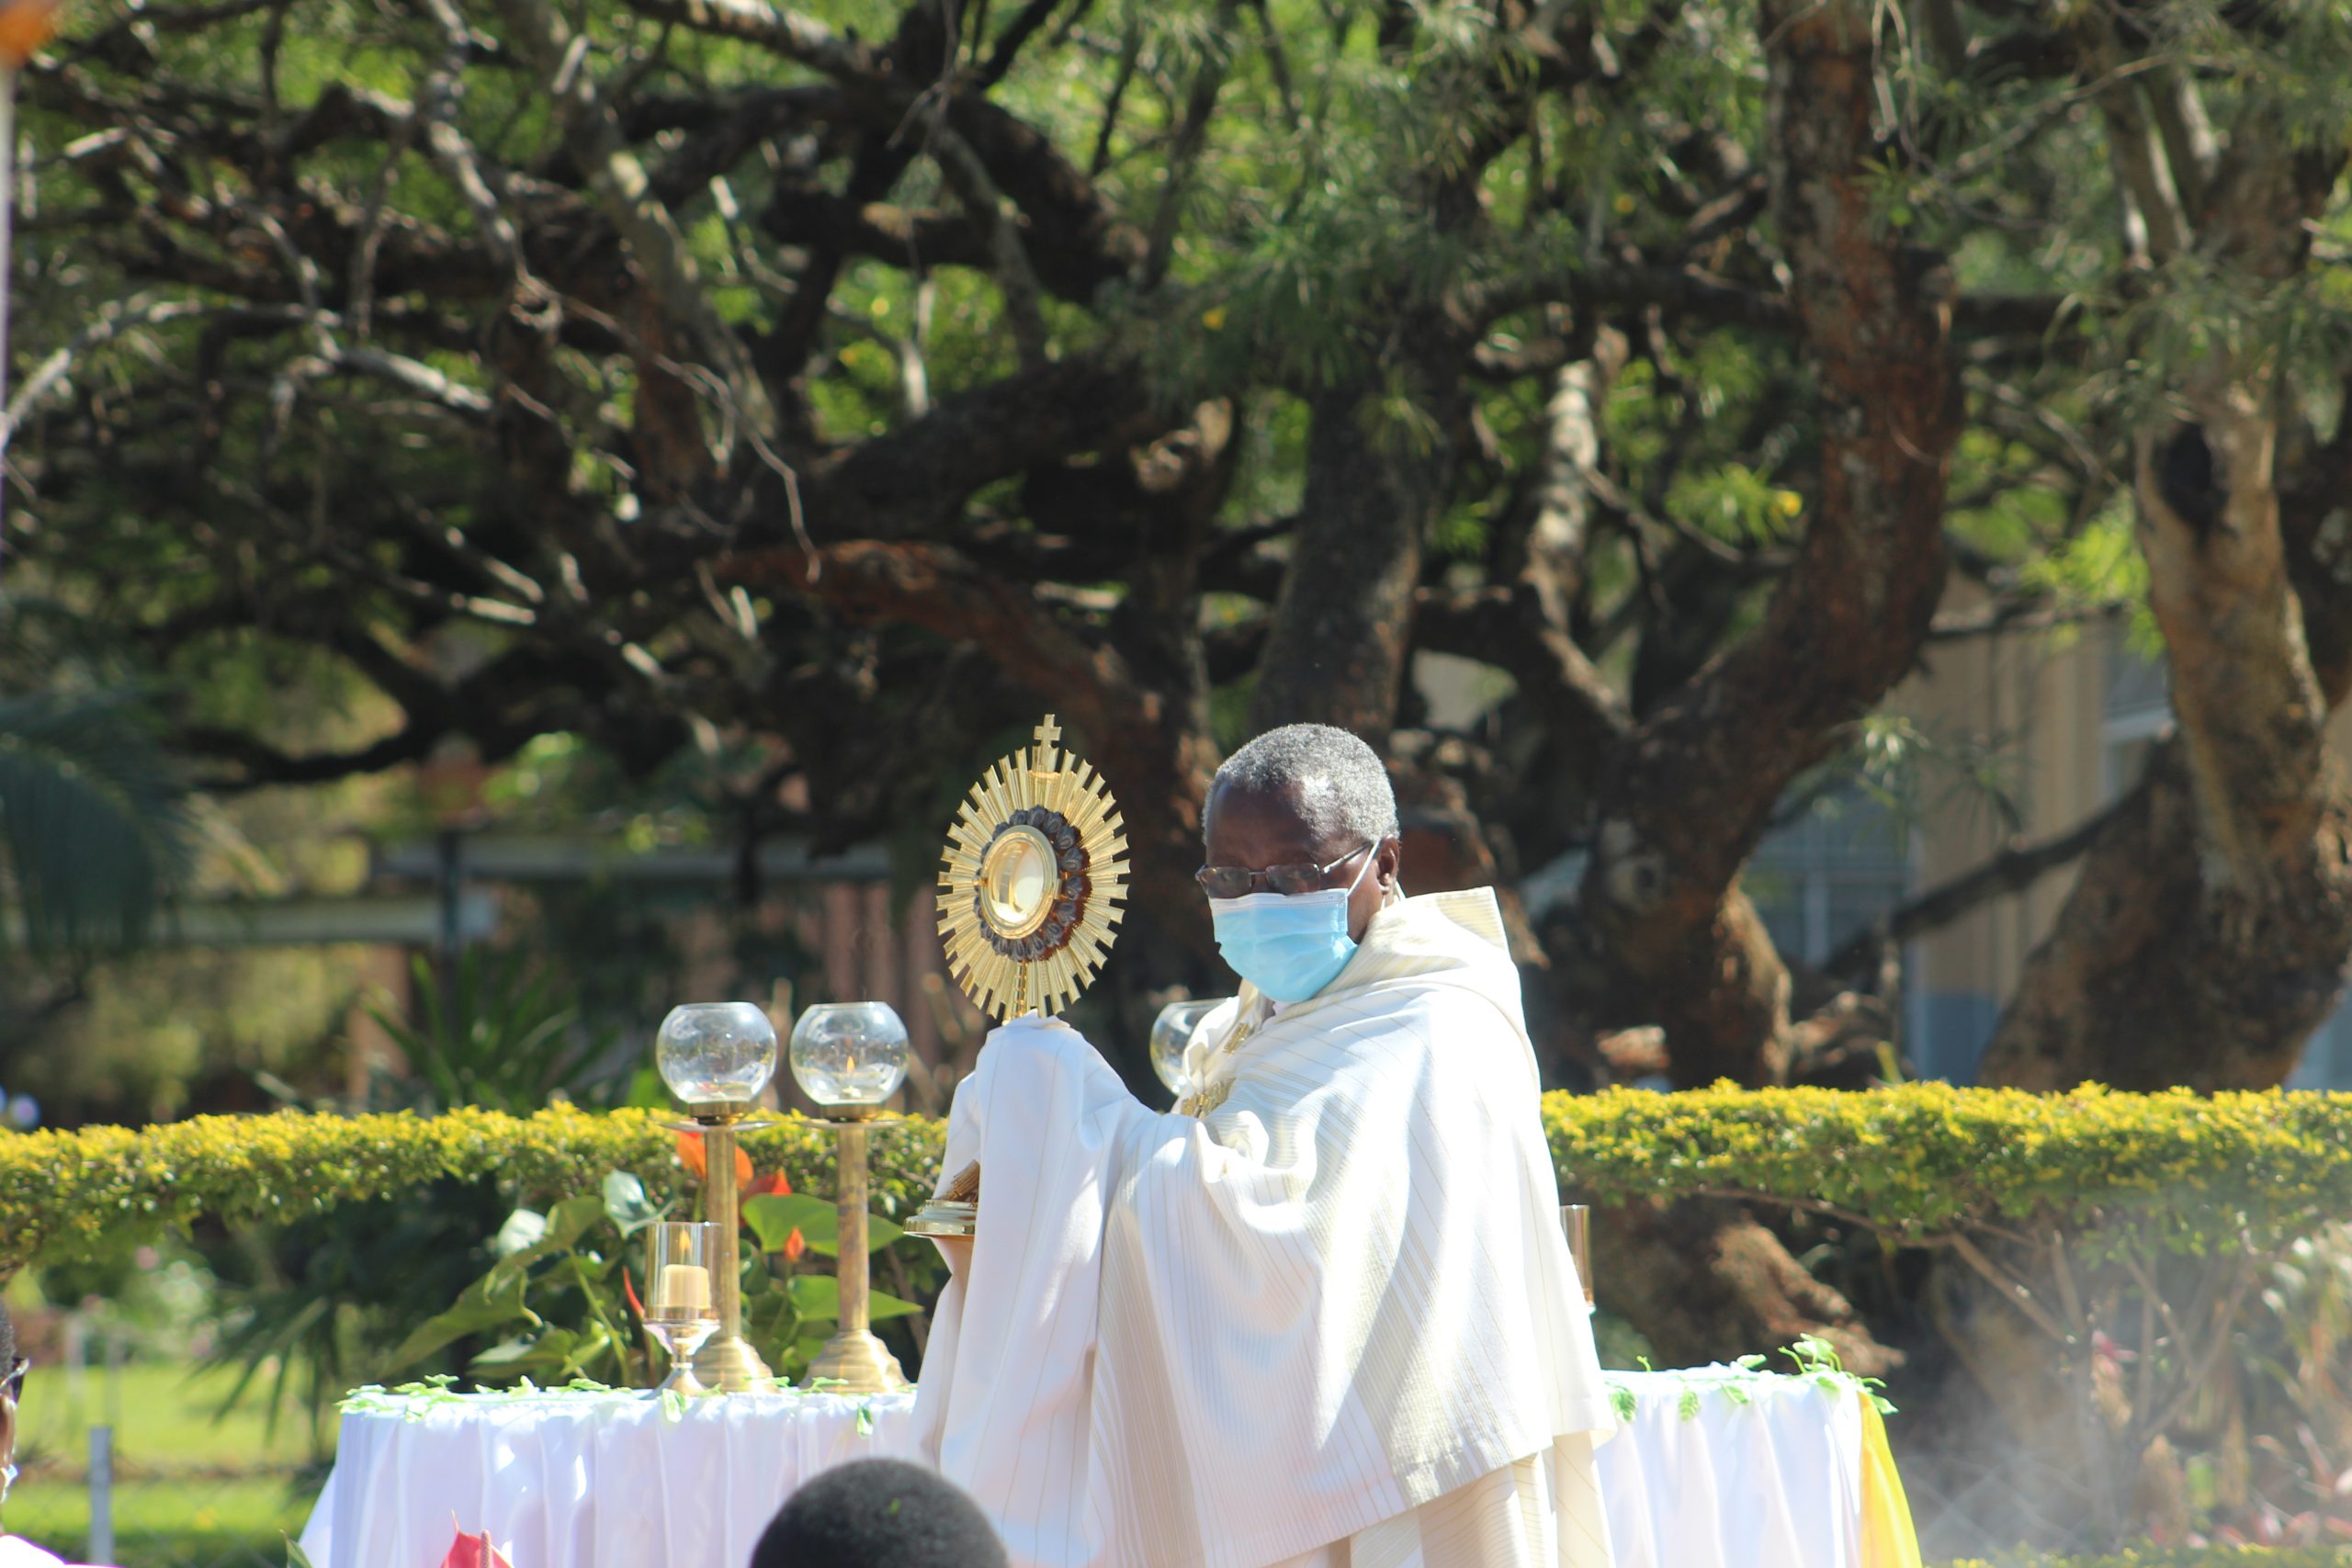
(67, 1196)
(1928, 1160)
(1917, 1162)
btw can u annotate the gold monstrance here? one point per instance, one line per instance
(1029, 890)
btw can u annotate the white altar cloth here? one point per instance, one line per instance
(583, 1480)
(1716, 1468)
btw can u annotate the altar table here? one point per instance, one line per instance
(1719, 1467)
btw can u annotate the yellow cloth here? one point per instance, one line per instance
(1888, 1539)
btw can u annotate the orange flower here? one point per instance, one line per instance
(690, 1155)
(25, 26)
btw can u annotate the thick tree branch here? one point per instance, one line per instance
(786, 33)
(1509, 628)
(969, 178)
(914, 479)
(627, 198)
(2015, 870)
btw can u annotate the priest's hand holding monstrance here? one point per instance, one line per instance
(1029, 892)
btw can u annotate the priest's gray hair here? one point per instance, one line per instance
(1343, 792)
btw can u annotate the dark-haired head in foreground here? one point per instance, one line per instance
(879, 1513)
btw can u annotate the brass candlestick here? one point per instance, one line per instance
(717, 1057)
(853, 1360)
(850, 1057)
(726, 1362)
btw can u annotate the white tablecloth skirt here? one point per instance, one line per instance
(1718, 1469)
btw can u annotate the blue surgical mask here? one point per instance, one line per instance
(1289, 946)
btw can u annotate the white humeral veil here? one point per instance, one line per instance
(1334, 1318)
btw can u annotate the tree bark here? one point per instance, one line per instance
(1707, 1282)
(1374, 488)
(2209, 934)
(1663, 935)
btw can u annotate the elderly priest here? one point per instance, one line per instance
(1322, 1316)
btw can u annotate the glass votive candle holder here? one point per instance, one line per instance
(680, 1296)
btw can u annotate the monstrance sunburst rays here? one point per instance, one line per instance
(1031, 881)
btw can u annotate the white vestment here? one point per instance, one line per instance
(1333, 1320)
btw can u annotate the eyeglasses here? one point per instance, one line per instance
(16, 1370)
(1239, 881)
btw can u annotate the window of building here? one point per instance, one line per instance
(1822, 879)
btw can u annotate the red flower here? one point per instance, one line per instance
(474, 1552)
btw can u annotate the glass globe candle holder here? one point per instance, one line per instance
(1172, 1035)
(717, 1057)
(850, 1057)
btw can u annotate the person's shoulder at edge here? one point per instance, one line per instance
(17, 1553)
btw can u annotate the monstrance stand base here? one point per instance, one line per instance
(954, 1213)
(856, 1362)
(944, 1217)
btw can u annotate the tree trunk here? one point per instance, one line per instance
(1706, 1283)
(1375, 485)
(2209, 933)
(1663, 935)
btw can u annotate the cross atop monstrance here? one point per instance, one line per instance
(1029, 892)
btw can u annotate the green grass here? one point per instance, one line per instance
(192, 1490)
(162, 1418)
(168, 1524)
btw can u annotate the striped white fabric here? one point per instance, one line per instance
(1334, 1314)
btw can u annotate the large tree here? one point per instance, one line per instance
(841, 390)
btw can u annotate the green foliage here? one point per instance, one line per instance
(92, 823)
(557, 1300)
(774, 1219)
(502, 1037)
(310, 1305)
